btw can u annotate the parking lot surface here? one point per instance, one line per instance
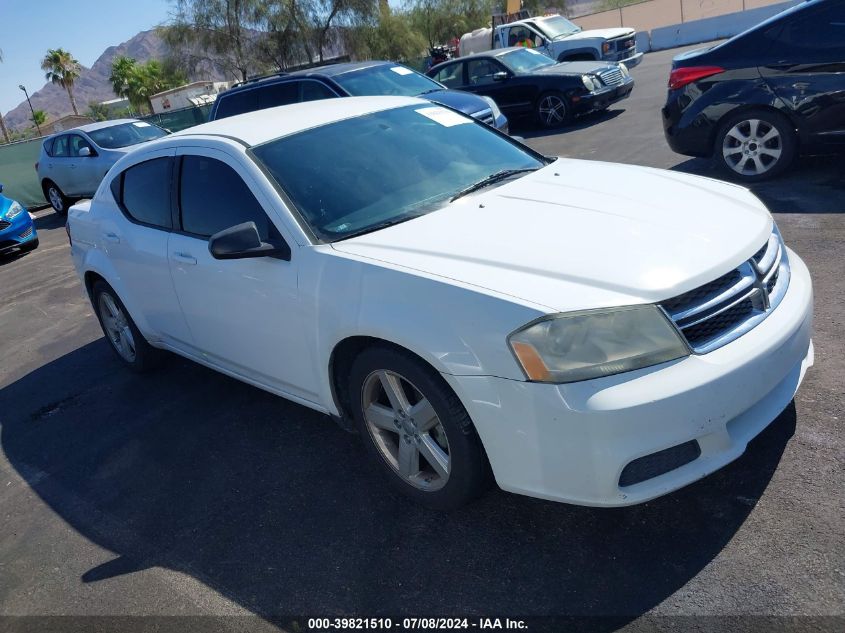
(184, 492)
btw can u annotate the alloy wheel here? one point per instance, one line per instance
(552, 110)
(56, 198)
(752, 147)
(117, 327)
(406, 430)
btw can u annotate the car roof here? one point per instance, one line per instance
(253, 128)
(99, 125)
(327, 70)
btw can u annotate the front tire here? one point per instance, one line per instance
(552, 110)
(121, 332)
(755, 145)
(416, 429)
(59, 201)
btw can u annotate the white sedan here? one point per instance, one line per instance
(585, 332)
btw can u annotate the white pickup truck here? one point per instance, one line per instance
(558, 38)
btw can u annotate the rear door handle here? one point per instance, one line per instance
(112, 237)
(185, 258)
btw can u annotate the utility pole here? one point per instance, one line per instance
(37, 127)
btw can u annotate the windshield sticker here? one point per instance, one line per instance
(399, 70)
(141, 124)
(444, 117)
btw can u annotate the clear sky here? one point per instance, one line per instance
(83, 27)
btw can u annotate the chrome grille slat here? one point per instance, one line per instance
(722, 310)
(611, 77)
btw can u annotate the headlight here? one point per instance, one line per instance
(589, 82)
(496, 112)
(594, 343)
(14, 211)
(624, 69)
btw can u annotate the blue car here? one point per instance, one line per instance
(17, 231)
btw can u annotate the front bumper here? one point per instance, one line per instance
(601, 99)
(19, 234)
(633, 60)
(572, 442)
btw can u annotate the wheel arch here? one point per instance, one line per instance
(342, 356)
(578, 54)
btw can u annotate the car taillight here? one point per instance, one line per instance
(680, 77)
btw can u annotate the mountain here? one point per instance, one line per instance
(92, 83)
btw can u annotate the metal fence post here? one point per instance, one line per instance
(681, 2)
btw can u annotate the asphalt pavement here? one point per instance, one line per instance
(184, 492)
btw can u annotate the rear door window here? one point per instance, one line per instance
(60, 147)
(278, 94)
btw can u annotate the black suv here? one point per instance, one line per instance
(358, 79)
(758, 99)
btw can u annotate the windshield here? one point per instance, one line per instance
(525, 60)
(557, 26)
(385, 80)
(357, 175)
(126, 134)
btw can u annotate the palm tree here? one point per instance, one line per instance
(61, 69)
(2, 123)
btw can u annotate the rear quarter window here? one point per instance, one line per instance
(143, 192)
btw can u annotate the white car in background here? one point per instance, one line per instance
(72, 163)
(588, 332)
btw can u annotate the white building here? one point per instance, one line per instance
(193, 94)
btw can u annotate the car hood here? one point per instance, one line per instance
(574, 68)
(581, 234)
(466, 102)
(607, 34)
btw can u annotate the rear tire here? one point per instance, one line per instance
(59, 201)
(120, 330)
(416, 429)
(755, 145)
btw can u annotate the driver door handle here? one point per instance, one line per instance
(112, 237)
(185, 258)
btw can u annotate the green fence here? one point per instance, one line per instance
(17, 172)
(17, 161)
(180, 119)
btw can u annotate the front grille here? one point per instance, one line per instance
(724, 309)
(627, 43)
(27, 233)
(612, 77)
(4, 224)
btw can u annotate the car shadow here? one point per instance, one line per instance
(814, 184)
(276, 508)
(527, 128)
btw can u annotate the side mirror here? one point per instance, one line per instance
(242, 241)
(500, 76)
(84, 152)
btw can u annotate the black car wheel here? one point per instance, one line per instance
(55, 197)
(755, 145)
(552, 109)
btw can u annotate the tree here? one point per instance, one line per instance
(393, 37)
(97, 111)
(442, 20)
(217, 32)
(2, 122)
(322, 15)
(138, 82)
(62, 69)
(121, 69)
(39, 117)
